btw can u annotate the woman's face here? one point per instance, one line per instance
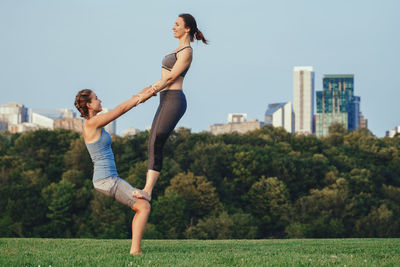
(179, 28)
(95, 103)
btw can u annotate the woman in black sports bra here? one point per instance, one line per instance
(172, 100)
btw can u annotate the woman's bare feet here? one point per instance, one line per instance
(141, 194)
(133, 253)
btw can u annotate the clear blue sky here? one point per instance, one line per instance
(51, 49)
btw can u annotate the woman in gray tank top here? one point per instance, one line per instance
(98, 143)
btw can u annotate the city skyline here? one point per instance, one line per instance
(54, 49)
(336, 103)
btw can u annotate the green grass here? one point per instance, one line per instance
(293, 252)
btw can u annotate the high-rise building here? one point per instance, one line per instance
(280, 115)
(337, 104)
(303, 99)
(11, 114)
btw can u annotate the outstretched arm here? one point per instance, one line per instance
(105, 118)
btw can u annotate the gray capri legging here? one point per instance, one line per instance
(170, 111)
(116, 188)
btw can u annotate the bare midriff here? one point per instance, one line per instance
(176, 85)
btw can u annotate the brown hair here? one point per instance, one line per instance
(194, 32)
(81, 100)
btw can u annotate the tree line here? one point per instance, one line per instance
(264, 184)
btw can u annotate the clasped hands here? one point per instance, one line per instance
(145, 94)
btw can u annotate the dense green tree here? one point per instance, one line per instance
(270, 203)
(23, 211)
(59, 199)
(324, 211)
(214, 227)
(343, 185)
(77, 158)
(108, 218)
(378, 223)
(44, 149)
(169, 215)
(199, 194)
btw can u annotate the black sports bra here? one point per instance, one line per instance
(169, 61)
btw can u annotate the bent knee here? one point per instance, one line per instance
(142, 205)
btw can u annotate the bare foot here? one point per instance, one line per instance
(133, 253)
(141, 194)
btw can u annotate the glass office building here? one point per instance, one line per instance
(337, 103)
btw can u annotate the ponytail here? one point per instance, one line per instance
(199, 36)
(194, 31)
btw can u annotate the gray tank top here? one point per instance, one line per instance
(169, 61)
(102, 157)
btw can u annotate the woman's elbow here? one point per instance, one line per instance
(171, 79)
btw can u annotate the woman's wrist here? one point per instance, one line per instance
(139, 98)
(154, 90)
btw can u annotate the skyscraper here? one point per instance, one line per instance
(337, 103)
(280, 115)
(303, 99)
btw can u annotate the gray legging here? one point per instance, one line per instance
(170, 111)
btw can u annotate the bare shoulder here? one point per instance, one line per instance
(90, 132)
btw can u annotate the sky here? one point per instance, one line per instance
(49, 50)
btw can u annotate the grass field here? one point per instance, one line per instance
(293, 252)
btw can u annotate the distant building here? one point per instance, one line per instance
(356, 113)
(46, 118)
(67, 113)
(74, 124)
(22, 127)
(237, 117)
(15, 117)
(392, 133)
(236, 123)
(42, 121)
(280, 115)
(130, 131)
(49, 113)
(11, 114)
(363, 121)
(111, 128)
(337, 104)
(303, 99)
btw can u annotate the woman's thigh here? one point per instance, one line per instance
(117, 188)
